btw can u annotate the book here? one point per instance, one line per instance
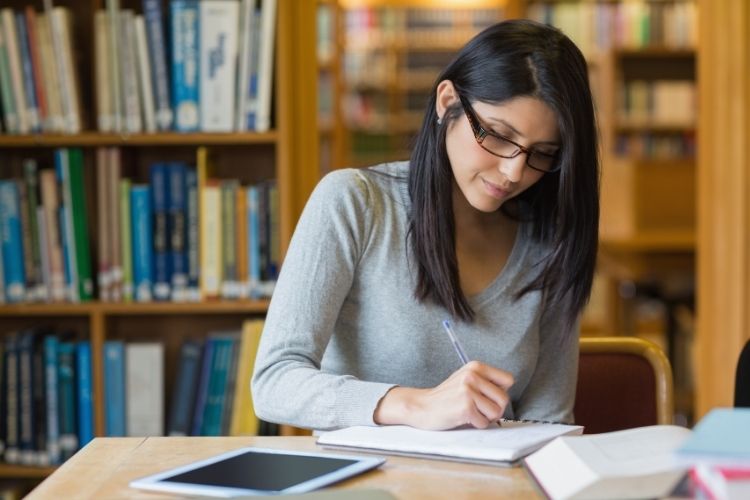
(144, 389)
(183, 395)
(633, 463)
(114, 388)
(719, 482)
(721, 437)
(185, 29)
(243, 420)
(503, 444)
(84, 392)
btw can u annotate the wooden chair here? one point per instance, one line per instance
(623, 382)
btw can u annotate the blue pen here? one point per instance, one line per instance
(455, 342)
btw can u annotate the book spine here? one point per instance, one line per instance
(84, 393)
(185, 64)
(54, 120)
(157, 48)
(218, 55)
(28, 261)
(217, 388)
(210, 240)
(126, 240)
(46, 274)
(243, 70)
(114, 67)
(144, 75)
(129, 73)
(10, 114)
(159, 215)
(193, 236)
(140, 215)
(230, 387)
(52, 396)
(62, 172)
(12, 243)
(66, 376)
(114, 386)
(16, 71)
(61, 23)
(265, 65)
(31, 180)
(32, 107)
(253, 246)
(242, 252)
(201, 395)
(26, 397)
(39, 403)
(104, 112)
(115, 223)
(183, 397)
(105, 252)
(243, 420)
(12, 450)
(80, 226)
(230, 284)
(178, 230)
(50, 202)
(144, 388)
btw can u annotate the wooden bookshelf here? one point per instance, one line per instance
(288, 153)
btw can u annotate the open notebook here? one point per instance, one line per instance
(495, 445)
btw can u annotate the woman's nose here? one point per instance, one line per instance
(512, 168)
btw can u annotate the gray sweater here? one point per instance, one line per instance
(344, 327)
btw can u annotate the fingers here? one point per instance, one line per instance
(495, 375)
(484, 397)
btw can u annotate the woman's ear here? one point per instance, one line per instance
(446, 97)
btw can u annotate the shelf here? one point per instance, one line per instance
(13, 471)
(95, 139)
(131, 308)
(655, 52)
(652, 241)
(625, 127)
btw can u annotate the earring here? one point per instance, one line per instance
(439, 121)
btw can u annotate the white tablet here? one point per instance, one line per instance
(258, 471)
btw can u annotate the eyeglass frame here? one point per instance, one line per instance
(480, 133)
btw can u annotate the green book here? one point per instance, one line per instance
(6, 88)
(126, 241)
(80, 226)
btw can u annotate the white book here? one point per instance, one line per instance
(104, 115)
(265, 65)
(219, 26)
(210, 238)
(634, 463)
(144, 389)
(16, 72)
(129, 73)
(62, 40)
(247, 16)
(503, 444)
(54, 121)
(144, 76)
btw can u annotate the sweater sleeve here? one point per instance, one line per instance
(288, 384)
(550, 394)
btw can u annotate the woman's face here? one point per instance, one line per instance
(486, 180)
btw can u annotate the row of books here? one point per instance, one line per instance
(632, 24)
(39, 88)
(664, 102)
(213, 73)
(184, 236)
(656, 146)
(46, 408)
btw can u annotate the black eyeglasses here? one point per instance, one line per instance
(505, 148)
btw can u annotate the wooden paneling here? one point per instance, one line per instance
(723, 188)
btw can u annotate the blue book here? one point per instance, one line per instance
(84, 393)
(253, 236)
(193, 240)
(10, 381)
(159, 211)
(201, 395)
(157, 48)
(51, 393)
(32, 107)
(185, 19)
(722, 435)
(212, 412)
(177, 227)
(141, 234)
(11, 240)
(183, 398)
(114, 388)
(66, 402)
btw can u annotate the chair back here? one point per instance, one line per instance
(623, 382)
(742, 379)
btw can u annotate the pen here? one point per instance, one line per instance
(459, 350)
(454, 341)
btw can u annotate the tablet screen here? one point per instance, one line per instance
(257, 471)
(261, 471)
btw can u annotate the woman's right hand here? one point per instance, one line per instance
(476, 394)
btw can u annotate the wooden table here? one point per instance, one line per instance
(105, 466)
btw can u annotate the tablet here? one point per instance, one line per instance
(258, 471)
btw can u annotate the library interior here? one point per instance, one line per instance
(155, 156)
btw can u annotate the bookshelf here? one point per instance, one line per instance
(286, 152)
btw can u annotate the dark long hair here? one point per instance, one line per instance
(512, 59)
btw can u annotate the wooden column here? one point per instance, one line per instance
(723, 199)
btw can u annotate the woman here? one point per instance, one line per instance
(492, 224)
